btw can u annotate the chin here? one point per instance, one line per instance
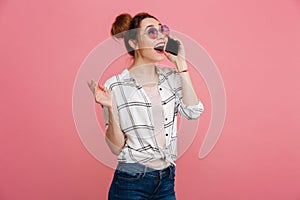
(157, 57)
(153, 56)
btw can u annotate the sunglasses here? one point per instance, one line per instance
(153, 32)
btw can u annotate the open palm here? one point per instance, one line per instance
(101, 94)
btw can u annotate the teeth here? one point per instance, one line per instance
(159, 48)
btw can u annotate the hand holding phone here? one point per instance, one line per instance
(172, 46)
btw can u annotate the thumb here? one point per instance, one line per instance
(167, 54)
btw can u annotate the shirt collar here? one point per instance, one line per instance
(125, 75)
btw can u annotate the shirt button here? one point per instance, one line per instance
(166, 119)
(160, 88)
(167, 134)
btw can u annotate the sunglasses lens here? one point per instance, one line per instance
(152, 32)
(165, 30)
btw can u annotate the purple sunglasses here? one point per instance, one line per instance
(153, 32)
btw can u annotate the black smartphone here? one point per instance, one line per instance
(172, 46)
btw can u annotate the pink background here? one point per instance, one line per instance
(256, 46)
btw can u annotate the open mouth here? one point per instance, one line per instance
(159, 48)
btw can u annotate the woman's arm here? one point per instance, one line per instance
(190, 106)
(188, 93)
(114, 136)
(189, 96)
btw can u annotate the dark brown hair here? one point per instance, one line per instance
(125, 22)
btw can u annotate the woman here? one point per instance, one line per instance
(140, 110)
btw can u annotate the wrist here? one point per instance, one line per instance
(182, 71)
(109, 108)
(181, 65)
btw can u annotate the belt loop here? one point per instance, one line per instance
(170, 169)
(145, 171)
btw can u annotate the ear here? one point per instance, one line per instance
(133, 44)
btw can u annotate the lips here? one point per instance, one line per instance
(159, 48)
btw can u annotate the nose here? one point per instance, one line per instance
(160, 35)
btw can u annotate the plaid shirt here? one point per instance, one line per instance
(136, 119)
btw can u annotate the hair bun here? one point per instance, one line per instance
(121, 24)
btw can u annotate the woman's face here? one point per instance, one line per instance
(146, 43)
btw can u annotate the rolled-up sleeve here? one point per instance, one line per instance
(191, 111)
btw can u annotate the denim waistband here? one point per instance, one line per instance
(140, 168)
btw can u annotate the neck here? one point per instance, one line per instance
(143, 72)
(139, 67)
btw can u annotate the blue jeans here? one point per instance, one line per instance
(133, 181)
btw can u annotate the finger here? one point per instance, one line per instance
(94, 83)
(88, 84)
(170, 36)
(95, 89)
(175, 38)
(167, 54)
(91, 83)
(91, 87)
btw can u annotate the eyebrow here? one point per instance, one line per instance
(152, 25)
